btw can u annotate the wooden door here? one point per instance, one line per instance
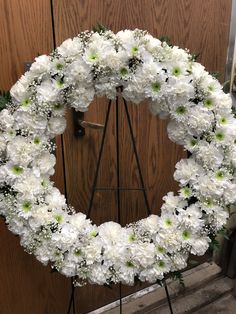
(26, 286)
(202, 26)
(26, 30)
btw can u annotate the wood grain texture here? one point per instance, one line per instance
(200, 25)
(26, 285)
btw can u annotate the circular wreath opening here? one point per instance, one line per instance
(176, 86)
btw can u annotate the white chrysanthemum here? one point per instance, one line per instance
(27, 183)
(200, 120)
(191, 217)
(70, 48)
(55, 199)
(47, 92)
(177, 132)
(41, 216)
(20, 151)
(6, 119)
(19, 91)
(79, 221)
(172, 202)
(110, 232)
(187, 171)
(143, 254)
(82, 97)
(211, 156)
(24, 120)
(44, 163)
(41, 66)
(78, 71)
(199, 245)
(180, 91)
(56, 125)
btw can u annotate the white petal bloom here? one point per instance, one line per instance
(70, 48)
(20, 151)
(110, 232)
(79, 221)
(187, 171)
(55, 199)
(56, 125)
(19, 91)
(31, 122)
(41, 65)
(6, 119)
(177, 132)
(44, 163)
(211, 156)
(199, 245)
(200, 120)
(47, 92)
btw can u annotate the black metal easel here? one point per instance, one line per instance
(118, 188)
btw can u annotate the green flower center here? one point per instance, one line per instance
(26, 206)
(26, 102)
(77, 252)
(186, 234)
(180, 110)
(59, 66)
(129, 264)
(60, 83)
(208, 202)
(57, 106)
(58, 218)
(44, 183)
(93, 57)
(208, 103)
(156, 87)
(193, 142)
(210, 88)
(168, 222)
(93, 233)
(134, 50)
(160, 249)
(161, 264)
(187, 192)
(235, 142)
(223, 120)
(17, 170)
(220, 136)
(176, 71)
(220, 175)
(132, 237)
(123, 71)
(37, 141)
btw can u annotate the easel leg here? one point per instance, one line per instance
(168, 298)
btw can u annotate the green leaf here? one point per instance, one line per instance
(5, 98)
(215, 74)
(224, 233)
(195, 56)
(166, 39)
(99, 28)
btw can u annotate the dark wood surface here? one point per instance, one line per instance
(25, 31)
(26, 286)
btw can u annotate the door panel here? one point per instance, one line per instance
(26, 286)
(202, 26)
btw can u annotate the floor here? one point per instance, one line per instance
(206, 291)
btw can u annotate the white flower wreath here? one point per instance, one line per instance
(96, 64)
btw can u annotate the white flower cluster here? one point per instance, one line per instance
(139, 67)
